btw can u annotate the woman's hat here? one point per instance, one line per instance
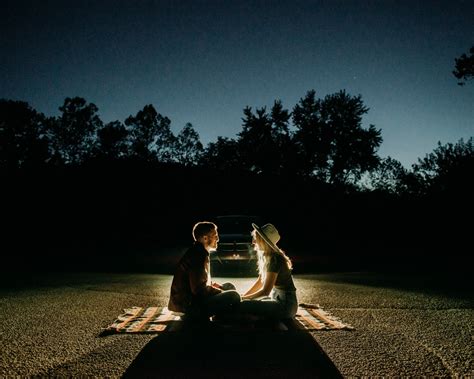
(269, 234)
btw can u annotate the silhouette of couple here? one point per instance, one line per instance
(272, 296)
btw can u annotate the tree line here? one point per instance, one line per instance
(75, 189)
(320, 139)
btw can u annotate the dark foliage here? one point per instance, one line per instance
(75, 188)
(151, 138)
(464, 67)
(447, 170)
(72, 135)
(112, 141)
(330, 140)
(22, 140)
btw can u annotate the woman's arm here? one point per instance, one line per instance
(255, 287)
(264, 289)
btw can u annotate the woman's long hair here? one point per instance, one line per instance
(263, 256)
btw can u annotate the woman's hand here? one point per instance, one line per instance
(261, 289)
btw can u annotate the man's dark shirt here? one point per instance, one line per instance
(191, 281)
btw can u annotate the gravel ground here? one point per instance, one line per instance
(404, 325)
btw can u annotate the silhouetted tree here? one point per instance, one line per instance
(449, 168)
(112, 141)
(312, 138)
(464, 67)
(389, 176)
(73, 134)
(257, 144)
(282, 139)
(331, 142)
(151, 137)
(188, 148)
(22, 141)
(222, 155)
(265, 144)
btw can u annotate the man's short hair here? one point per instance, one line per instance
(203, 228)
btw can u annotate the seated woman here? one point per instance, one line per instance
(273, 295)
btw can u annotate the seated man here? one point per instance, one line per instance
(192, 291)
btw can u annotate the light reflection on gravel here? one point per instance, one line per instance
(50, 325)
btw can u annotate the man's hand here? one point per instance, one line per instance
(216, 285)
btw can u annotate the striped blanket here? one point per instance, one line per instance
(159, 319)
(143, 320)
(313, 317)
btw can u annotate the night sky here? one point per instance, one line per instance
(203, 61)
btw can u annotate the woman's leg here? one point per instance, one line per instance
(265, 308)
(288, 301)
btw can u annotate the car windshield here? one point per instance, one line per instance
(235, 225)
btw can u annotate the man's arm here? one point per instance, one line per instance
(198, 278)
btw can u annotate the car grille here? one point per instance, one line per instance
(234, 252)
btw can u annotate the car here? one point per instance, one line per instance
(235, 250)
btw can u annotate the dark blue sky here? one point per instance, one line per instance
(204, 61)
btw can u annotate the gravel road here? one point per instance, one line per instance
(404, 325)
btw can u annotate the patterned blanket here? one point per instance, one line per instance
(143, 320)
(313, 317)
(159, 319)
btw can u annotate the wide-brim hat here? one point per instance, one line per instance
(269, 234)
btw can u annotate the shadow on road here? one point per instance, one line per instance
(212, 352)
(454, 285)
